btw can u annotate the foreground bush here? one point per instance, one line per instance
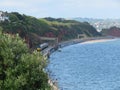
(19, 69)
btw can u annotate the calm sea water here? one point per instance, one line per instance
(93, 66)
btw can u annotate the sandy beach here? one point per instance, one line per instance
(86, 41)
(96, 41)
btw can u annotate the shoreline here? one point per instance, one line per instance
(53, 83)
(99, 49)
(85, 40)
(97, 41)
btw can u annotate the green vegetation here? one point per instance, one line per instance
(20, 69)
(31, 28)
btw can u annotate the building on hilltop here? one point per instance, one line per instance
(3, 16)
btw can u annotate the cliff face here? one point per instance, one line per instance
(113, 31)
(31, 28)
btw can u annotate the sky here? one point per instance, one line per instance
(64, 8)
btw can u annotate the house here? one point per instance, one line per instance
(3, 16)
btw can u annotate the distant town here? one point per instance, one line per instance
(3, 16)
(100, 24)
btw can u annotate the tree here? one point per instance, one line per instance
(20, 69)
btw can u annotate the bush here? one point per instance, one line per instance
(19, 69)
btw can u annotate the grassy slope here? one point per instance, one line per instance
(32, 28)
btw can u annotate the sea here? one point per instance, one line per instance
(90, 66)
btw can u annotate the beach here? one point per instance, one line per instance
(96, 41)
(86, 41)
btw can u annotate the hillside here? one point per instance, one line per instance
(100, 24)
(31, 28)
(113, 31)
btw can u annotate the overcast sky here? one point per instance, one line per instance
(64, 8)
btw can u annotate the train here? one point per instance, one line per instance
(43, 46)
